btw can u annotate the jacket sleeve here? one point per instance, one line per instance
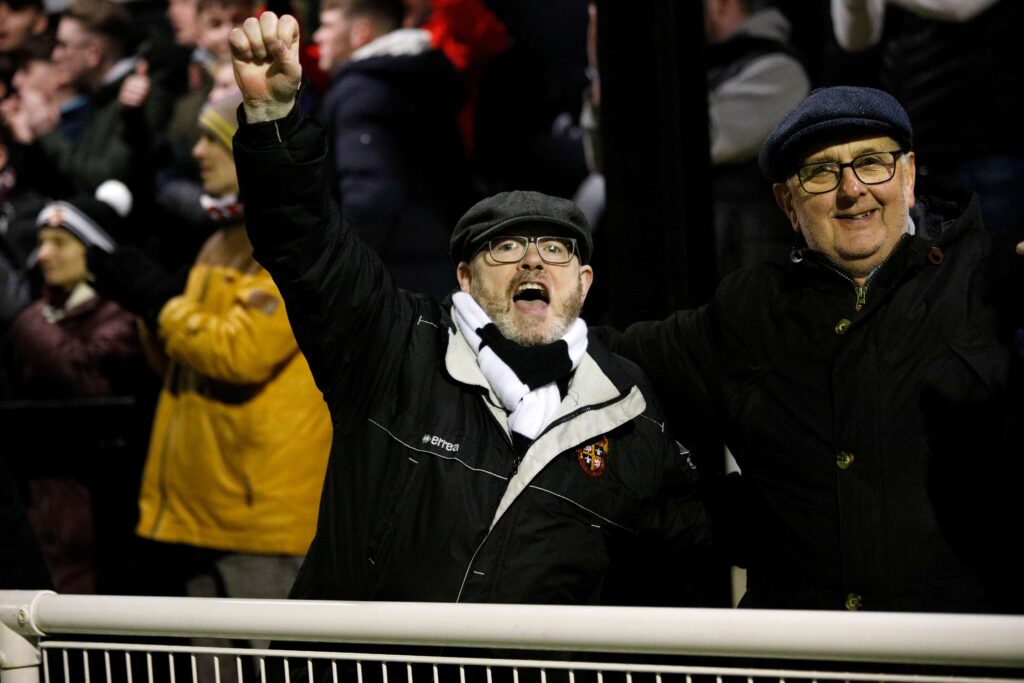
(80, 364)
(245, 345)
(678, 355)
(350, 321)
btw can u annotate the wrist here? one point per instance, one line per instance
(257, 112)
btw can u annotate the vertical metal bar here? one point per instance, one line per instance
(334, 671)
(85, 664)
(128, 666)
(149, 668)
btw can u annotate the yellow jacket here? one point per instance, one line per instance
(241, 434)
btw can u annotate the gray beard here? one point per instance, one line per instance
(505, 320)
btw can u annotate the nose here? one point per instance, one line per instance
(199, 148)
(849, 183)
(45, 252)
(532, 259)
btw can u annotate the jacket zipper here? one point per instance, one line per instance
(861, 291)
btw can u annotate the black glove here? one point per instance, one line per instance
(132, 279)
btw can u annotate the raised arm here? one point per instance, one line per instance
(347, 316)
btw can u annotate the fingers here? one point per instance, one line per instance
(247, 40)
(141, 67)
(255, 39)
(288, 31)
(1020, 248)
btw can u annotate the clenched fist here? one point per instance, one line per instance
(265, 56)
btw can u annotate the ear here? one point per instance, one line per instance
(909, 179)
(361, 32)
(40, 24)
(464, 274)
(784, 198)
(96, 53)
(586, 279)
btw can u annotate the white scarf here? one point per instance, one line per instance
(530, 409)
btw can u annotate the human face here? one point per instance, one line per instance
(61, 258)
(182, 16)
(216, 166)
(534, 315)
(40, 75)
(334, 39)
(19, 25)
(223, 82)
(855, 225)
(215, 23)
(77, 52)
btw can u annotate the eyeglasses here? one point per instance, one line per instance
(554, 250)
(872, 168)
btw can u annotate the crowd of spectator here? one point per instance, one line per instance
(125, 270)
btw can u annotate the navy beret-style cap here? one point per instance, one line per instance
(497, 214)
(826, 113)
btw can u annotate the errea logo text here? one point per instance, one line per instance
(440, 443)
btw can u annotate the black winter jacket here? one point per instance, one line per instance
(875, 444)
(402, 172)
(422, 500)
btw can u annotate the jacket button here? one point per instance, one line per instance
(854, 602)
(842, 326)
(844, 460)
(935, 256)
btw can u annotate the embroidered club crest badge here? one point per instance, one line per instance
(593, 457)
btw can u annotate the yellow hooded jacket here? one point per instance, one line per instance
(241, 434)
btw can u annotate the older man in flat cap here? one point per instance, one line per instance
(868, 387)
(486, 450)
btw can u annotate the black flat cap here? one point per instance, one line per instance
(497, 214)
(827, 113)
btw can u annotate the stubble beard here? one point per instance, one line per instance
(528, 330)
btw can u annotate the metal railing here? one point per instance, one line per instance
(379, 636)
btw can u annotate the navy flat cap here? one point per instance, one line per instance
(496, 214)
(827, 113)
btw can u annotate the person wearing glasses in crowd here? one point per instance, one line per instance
(870, 388)
(486, 449)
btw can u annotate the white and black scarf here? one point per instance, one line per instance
(523, 377)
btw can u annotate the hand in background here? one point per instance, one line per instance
(135, 87)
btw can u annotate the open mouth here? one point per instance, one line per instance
(531, 297)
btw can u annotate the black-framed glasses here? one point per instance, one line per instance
(872, 168)
(512, 249)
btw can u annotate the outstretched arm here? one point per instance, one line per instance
(265, 56)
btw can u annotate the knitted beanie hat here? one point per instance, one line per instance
(91, 219)
(220, 118)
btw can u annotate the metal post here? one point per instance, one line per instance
(19, 638)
